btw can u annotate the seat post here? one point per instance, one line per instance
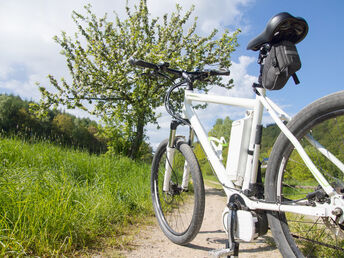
(263, 53)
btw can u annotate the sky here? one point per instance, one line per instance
(28, 52)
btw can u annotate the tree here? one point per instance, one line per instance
(222, 128)
(64, 123)
(9, 112)
(106, 85)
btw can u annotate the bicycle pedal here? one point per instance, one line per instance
(221, 252)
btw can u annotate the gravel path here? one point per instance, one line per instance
(151, 242)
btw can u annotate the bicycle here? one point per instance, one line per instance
(301, 198)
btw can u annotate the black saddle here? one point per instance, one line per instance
(282, 26)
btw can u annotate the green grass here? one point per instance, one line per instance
(55, 201)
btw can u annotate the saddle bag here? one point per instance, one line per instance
(281, 62)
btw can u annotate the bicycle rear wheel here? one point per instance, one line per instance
(179, 211)
(288, 179)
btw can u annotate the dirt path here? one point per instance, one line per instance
(151, 242)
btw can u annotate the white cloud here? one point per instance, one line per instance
(211, 14)
(5, 70)
(23, 89)
(242, 80)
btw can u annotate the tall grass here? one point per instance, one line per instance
(54, 200)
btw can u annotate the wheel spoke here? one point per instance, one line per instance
(335, 247)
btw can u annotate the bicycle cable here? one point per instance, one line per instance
(168, 107)
(167, 104)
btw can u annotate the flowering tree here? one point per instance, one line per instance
(106, 85)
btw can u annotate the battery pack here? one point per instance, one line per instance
(238, 149)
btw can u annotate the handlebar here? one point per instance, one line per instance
(164, 67)
(189, 77)
(142, 63)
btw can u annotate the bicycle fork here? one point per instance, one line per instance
(170, 152)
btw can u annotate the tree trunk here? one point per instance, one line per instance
(135, 146)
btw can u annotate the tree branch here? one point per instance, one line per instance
(96, 98)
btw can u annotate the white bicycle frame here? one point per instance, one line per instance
(250, 176)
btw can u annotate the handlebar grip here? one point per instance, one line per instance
(142, 63)
(221, 72)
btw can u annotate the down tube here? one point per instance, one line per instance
(212, 157)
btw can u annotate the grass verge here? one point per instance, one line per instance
(56, 201)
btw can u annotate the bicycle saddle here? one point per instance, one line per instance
(282, 26)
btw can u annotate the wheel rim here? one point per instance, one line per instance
(313, 236)
(175, 208)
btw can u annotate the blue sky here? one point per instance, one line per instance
(28, 53)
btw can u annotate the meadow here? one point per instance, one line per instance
(57, 201)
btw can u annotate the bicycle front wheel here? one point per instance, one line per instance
(179, 210)
(288, 180)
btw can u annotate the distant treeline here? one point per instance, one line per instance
(58, 127)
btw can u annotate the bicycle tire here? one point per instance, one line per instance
(179, 204)
(287, 179)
